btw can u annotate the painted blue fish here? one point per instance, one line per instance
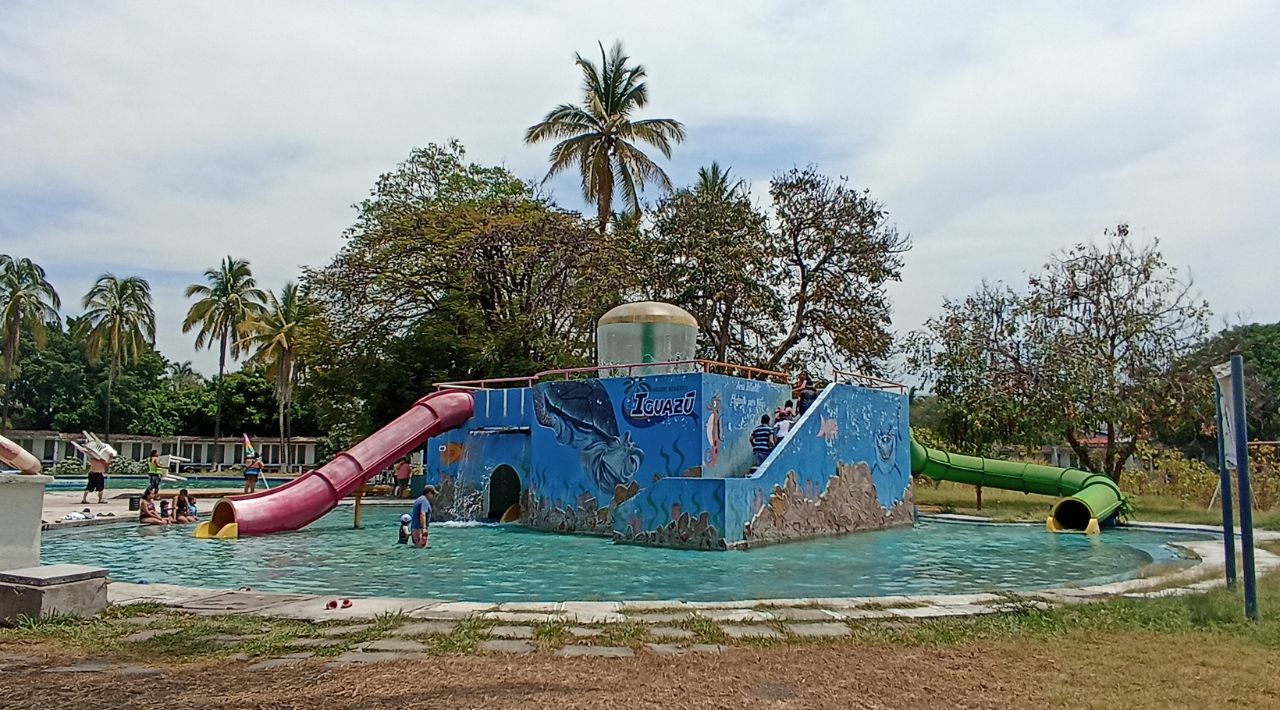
(582, 416)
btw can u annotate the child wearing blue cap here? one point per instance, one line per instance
(404, 529)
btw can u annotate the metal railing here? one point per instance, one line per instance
(868, 381)
(625, 370)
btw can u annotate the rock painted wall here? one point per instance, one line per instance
(844, 467)
(660, 460)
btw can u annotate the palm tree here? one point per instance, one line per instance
(715, 183)
(119, 321)
(274, 335)
(27, 302)
(600, 138)
(229, 300)
(182, 374)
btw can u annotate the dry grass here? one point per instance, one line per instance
(1011, 506)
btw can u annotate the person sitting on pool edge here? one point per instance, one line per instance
(421, 518)
(183, 509)
(147, 513)
(252, 469)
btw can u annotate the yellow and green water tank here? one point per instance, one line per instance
(647, 331)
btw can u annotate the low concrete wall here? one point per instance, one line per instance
(52, 590)
(21, 503)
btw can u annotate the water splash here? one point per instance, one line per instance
(467, 506)
(464, 524)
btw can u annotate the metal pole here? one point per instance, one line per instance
(1246, 497)
(1224, 479)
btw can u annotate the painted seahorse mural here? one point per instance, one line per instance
(890, 480)
(714, 433)
(582, 416)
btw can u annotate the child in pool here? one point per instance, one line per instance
(404, 529)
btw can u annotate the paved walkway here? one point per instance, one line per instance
(360, 633)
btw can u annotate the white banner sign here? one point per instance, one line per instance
(1222, 373)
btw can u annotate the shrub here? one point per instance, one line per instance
(121, 466)
(69, 467)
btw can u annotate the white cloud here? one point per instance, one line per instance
(187, 131)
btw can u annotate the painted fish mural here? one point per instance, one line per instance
(582, 416)
(451, 453)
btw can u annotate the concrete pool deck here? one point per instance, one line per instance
(58, 504)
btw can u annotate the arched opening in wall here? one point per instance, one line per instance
(504, 492)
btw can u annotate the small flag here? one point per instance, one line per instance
(248, 447)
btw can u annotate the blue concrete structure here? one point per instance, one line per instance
(666, 460)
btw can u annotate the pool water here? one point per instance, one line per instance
(123, 484)
(487, 563)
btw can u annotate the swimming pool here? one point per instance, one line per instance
(122, 484)
(506, 563)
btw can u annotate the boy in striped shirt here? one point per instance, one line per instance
(762, 440)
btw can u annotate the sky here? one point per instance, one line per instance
(153, 138)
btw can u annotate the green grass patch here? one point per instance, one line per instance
(549, 635)
(628, 633)
(465, 637)
(704, 630)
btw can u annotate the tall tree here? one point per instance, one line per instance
(599, 137)
(452, 270)
(120, 322)
(182, 374)
(838, 251)
(28, 302)
(275, 336)
(714, 182)
(711, 252)
(1098, 343)
(227, 301)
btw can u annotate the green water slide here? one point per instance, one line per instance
(1085, 498)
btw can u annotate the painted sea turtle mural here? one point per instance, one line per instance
(582, 415)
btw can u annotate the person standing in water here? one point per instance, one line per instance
(252, 469)
(405, 533)
(154, 471)
(421, 517)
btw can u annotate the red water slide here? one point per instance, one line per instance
(306, 498)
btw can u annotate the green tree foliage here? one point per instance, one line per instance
(56, 389)
(452, 270)
(28, 306)
(61, 389)
(837, 251)
(119, 323)
(275, 337)
(1259, 345)
(711, 252)
(228, 300)
(599, 137)
(1097, 343)
(806, 291)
